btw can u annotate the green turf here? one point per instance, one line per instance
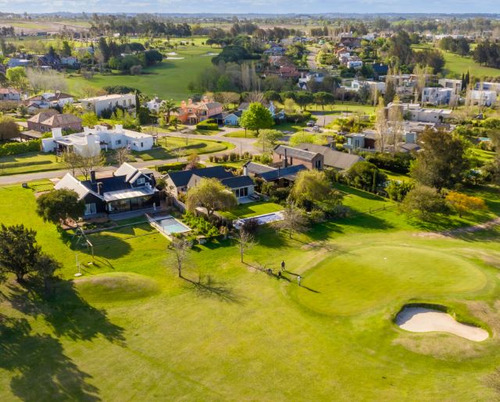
(370, 277)
(252, 209)
(173, 147)
(131, 329)
(168, 80)
(29, 163)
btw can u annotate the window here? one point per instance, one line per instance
(142, 144)
(141, 181)
(90, 209)
(118, 142)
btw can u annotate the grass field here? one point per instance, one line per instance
(173, 147)
(457, 65)
(131, 329)
(168, 80)
(29, 163)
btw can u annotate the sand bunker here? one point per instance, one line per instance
(172, 54)
(175, 58)
(420, 319)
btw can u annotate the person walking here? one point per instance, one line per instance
(299, 279)
(282, 265)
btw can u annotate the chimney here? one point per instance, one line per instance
(285, 161)
(99, 188)
(92, 177)
(57, 132)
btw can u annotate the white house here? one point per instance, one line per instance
(481, 97)
(378, 86)
(416, 113)
(438, 96)
(356, 64)
(455, 85)
(489, 86)
(155, 104)
(99, 103)
(92, 141)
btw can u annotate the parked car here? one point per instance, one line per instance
(311, 123)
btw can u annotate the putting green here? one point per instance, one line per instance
(371, 277)
(119, 286)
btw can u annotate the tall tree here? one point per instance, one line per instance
(19, 250)
(180, 248)
(57, 206)
(381, 126)
(211, 194)
(313, 189)
(442, 162)
(167, 108)
(256, 118)
(294, 220)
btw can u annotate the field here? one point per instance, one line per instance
(457, 65)
(29, 163)
(168, 80)
(173, 147)
(130, 328)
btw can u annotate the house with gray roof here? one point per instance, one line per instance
(331, 158)
(285, 156)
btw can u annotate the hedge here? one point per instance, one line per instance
(174, 167)
(207, 125)
(17, 148)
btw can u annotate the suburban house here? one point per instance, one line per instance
(448, 83)
(373, 86)
(194, 112)
(232, 119)
(283, 176)
(17, 62)
(489, 86)
(285, 156)
(438, 96)
(481, 97)
(47, 120)
(155, 104)
(365, 141)
(70, 61)
(48, 100)
(10, 94)
(181, 181)
(128, 189)
(98, 104)
(92, 141)
(414, 112)
(331, 158)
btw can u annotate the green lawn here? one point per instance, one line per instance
(131, 329)
(173, 147)
(252, 209)
(168, 80)
(29, 163)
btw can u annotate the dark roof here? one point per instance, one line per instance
(287, 173)
(332, 158)
(257, 168)
(108, 184)
(410, 147)
(380, 69)
(295, 153)
(237, 181)
(181, 178)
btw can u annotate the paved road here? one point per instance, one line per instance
(241, 145)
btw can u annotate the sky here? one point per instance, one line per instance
(252, 6)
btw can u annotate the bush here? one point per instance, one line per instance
(174, 167)
(17, 148)
(398, 163)
(298, 117)
(250, 226)
(200, 225)
(207, 125)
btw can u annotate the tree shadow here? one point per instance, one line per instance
(210, 288)
(42, 370)
(67, 313)
(109, 247)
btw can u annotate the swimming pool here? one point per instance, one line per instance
(261, 219)
(171, 225)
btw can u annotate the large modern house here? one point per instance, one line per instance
(98, 104)
(194, 112)
(98, 138)
(129, 189)
(180, 182)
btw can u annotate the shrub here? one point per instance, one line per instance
(250, 226)
(17, 148)
(200, 225)
(209, 124)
